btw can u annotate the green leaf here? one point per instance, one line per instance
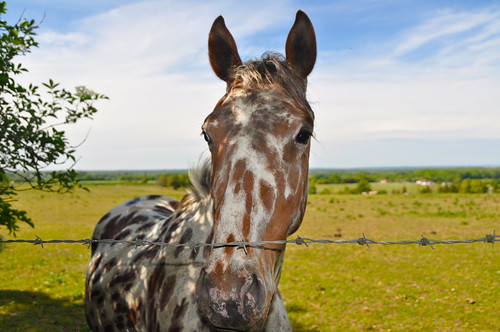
(4, 79)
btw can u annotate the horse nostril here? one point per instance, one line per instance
(255, 291)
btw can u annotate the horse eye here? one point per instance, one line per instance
(303, 136)
(206, 137)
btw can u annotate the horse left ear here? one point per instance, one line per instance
(222, 50)
(301, 45)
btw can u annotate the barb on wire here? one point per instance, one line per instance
(489, 238)
(363, 241)
(39, 241)
(193, 246)
(300, 241)
(87, 242)
(425, 242)
(243, 246)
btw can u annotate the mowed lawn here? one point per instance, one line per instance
(326, 287)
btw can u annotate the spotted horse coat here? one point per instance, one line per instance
(253, 188)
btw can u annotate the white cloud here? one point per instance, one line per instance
(444, 24)
(63, 40)
(408, 109)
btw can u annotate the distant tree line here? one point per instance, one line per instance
(443, 175)
(362, 186)
(444, 180)
(467, 186)
(179, 179)
(175, 180)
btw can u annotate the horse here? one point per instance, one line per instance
(253, 188)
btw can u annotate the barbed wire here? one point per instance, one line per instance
(424, 241)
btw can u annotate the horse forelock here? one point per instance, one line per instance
(272, 71)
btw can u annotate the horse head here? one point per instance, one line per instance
(259, 139)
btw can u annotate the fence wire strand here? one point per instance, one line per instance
(363, 241)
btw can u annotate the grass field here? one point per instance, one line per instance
(326, 287)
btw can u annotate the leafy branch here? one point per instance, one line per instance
(32, 123)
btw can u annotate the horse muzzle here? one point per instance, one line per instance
(233, 301)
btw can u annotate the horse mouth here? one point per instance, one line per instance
(255, 325)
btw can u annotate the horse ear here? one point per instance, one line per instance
(301, 45)
(222, 50)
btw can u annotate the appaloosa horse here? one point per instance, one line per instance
(253, 189)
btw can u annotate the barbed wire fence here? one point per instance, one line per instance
(423, 241)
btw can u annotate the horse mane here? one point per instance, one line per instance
(200, 177)
(274, 72)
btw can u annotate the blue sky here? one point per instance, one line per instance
(396, 83)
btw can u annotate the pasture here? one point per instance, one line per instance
(325, 287)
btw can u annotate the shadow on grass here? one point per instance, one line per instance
(295, 310)
(36, 311)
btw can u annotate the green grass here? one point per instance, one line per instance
(43, 289)
(325, 287)
(399, 288)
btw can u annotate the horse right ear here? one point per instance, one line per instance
(222, 50)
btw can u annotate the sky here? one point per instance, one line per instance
(396, 83)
